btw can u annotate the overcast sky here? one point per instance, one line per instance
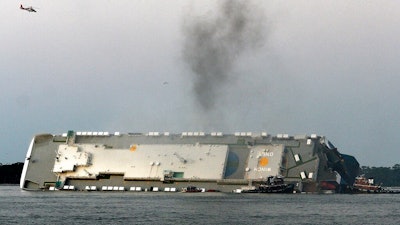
(296, 67)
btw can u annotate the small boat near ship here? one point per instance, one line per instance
(192, 189)
(367, 185)
(273, 184)
(364, 185)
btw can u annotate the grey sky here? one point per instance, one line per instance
(325, 67)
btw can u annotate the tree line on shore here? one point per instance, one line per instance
(11, 173)
(386, 176)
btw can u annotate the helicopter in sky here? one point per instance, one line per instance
(29, 9)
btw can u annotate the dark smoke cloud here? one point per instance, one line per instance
(214, 44)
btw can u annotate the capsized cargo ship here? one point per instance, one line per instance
(162, 161)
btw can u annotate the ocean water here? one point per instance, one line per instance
(23, 207)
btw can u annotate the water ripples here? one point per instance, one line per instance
(21, 207)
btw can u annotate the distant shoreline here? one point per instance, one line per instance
(10, 174)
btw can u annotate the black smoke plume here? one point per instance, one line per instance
(213, 45)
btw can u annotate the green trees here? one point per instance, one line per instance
(11, 174)
(386, 176)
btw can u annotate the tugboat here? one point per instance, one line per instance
(364, 185)
(192, 189)
(273, 184)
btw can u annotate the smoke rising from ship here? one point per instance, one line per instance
(213, 45)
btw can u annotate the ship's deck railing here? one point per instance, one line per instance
(194, 134)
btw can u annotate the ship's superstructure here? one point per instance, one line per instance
(164, 161)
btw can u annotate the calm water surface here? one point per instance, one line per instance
(22, 207)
